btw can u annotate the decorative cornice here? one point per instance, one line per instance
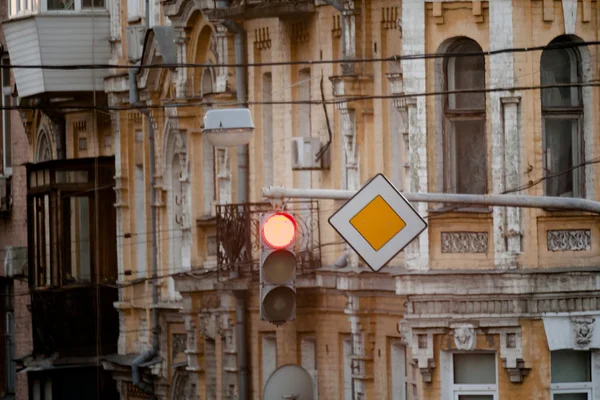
(497, 306)
(499, 283)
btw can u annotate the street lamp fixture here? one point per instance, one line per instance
(228, 127)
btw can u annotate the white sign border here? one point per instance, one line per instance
(378, 185)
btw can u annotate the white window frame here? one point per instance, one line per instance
(6, 91)
(459, 389)
(43, 7)
(570, 391)
(573, 387)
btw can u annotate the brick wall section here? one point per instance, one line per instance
(13, 232)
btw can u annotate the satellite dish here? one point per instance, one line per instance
(289, 382)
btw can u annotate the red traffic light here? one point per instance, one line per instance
(279, 230)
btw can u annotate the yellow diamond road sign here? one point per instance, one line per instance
(378, 222)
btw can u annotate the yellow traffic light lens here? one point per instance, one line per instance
(279, 267)
(279, 230)
(279, 303)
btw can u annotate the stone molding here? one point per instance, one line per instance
(535, 283)
(524, 306)
(421, 334)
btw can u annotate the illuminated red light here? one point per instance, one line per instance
(279, 230)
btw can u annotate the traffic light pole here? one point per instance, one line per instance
(499, 200)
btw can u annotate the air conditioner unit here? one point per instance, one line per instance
(5, 194)
(304, 154)
(15, 261)
(135, 42)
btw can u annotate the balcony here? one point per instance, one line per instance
(57, 32)
(75, 321)
(252, 9)
(72, 255)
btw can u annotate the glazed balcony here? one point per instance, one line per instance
(57, 32)
(252, 9)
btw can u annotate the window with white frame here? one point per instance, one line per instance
(72, 5)
(474, 376)
(6, 119)
(269, 356)
(571, 375)
(562, 117)
(465, 151)
(399, 382)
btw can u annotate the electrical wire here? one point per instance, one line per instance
(395, 58)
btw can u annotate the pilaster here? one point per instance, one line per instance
(181, 40)
(512, 158)
(222, 49)
(413, 71)
(399, 137)
(348, 37)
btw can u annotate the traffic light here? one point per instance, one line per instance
(277, 267)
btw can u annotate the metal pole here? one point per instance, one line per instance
(501, 200)
(242, 192)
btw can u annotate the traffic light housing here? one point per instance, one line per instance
(277, 267)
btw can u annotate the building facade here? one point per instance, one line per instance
(66, 199)
(15, 323)
(493, 302)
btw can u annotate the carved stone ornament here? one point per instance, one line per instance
(183, 386)
(569, 240)
(178, 344)
(464, 242)
(464, 337)
(583, 330)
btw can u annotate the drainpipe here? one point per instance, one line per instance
(154, 349)
(242, 190)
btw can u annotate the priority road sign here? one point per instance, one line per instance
(378, 222)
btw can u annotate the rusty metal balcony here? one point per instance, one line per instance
(253, 9)
(238, 237)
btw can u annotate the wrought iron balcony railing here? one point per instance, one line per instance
(238, 237)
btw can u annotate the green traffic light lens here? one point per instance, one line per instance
(279, 303)
(279, 267)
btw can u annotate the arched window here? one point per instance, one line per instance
(465, 150)
(207, 81)
(562, 119)
(43, 152)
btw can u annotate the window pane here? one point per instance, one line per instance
(80, 240)
(475, 397)
(92, 3)
(466, 73)
(571, 396)
(570, 366)
(560, 67)
(61, 4)
(470, 156)
(559, 155)
(475, 369)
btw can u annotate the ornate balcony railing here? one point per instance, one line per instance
(238, 237)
